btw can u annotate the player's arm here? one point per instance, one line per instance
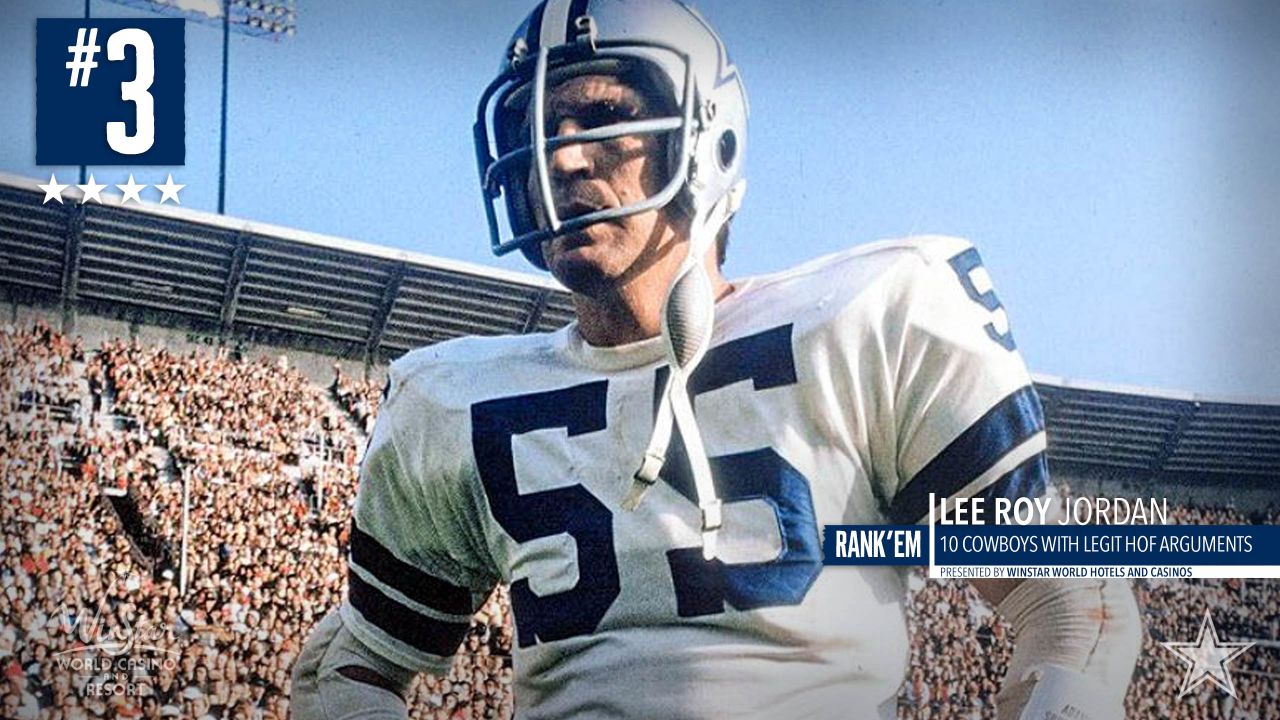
(337, 677)
(410, 598)
(962, 418)
(969, 424)
(1076, 643)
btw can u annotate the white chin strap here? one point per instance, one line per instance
(688, 317)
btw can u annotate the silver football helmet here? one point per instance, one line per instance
(707, 130)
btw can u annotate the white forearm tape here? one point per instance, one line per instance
(1088, 627)
(323, 687)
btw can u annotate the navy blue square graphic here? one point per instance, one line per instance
(110, 92)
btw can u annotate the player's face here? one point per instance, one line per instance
(593, 176)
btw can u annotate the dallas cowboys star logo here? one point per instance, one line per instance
(1207, 658)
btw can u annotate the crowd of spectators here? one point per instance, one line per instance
(269, 460)
(42, 368)
(1173, 610)
(67, 571)
(214, 398)
(959, 651)
(358, 396)
(269, 468)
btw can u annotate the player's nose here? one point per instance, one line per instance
(574, 159)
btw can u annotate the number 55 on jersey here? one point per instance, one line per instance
(110, 92)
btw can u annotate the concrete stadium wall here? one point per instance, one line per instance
(25, 314)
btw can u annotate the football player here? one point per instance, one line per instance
(652, 480)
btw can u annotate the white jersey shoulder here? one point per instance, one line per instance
(424, 368)
(870, 275)
(917, 348)
(929, 248)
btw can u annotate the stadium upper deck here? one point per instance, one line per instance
(262, 283)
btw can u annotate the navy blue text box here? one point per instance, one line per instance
(71, 121)
(1107, 545)
(885, 542)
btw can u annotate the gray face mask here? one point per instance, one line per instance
(522, 161)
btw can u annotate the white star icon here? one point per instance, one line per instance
(92, 191)
(169, 190)
(53, 191)
(130, 190)
(1207, 658)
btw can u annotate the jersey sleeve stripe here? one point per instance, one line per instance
(1030, 479)
(422, 588)
(423, 633)
(389, 647)
(1006, 426)
(1034, 445)
(408, 602)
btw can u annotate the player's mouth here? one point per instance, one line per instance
(569, 242)
(572, 241)
(578, 208)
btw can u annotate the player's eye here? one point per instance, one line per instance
(594, 115)
(608, 112)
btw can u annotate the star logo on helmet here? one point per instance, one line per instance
(726, 71)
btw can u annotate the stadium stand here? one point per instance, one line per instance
(236, 282)
(184, 363)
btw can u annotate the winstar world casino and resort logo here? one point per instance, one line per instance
(113, 654)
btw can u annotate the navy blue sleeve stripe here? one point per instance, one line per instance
(1029, 480)
(415, 584)
(1004, 427)
(401, 622)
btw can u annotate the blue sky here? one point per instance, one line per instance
(1118, 163)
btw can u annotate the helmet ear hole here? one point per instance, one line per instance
(727, 149)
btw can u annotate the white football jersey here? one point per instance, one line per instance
(843, 391)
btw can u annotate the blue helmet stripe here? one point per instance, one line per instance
(577, 9)
(533, 37)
